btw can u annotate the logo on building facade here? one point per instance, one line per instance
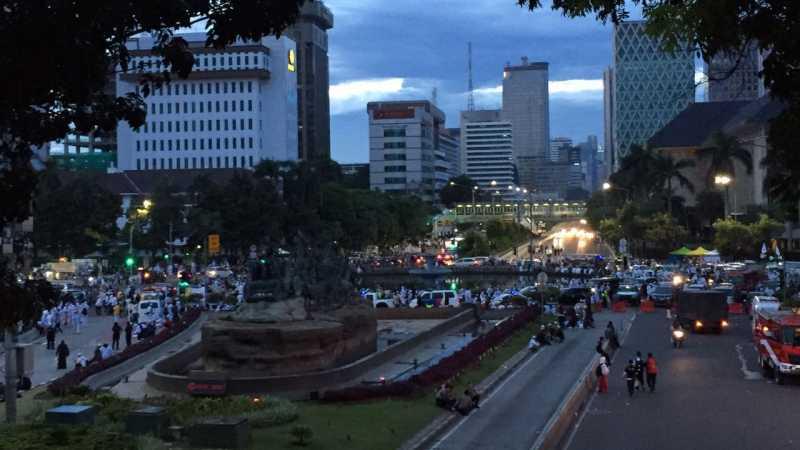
(292, 61)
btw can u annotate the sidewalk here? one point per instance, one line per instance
(513, 415)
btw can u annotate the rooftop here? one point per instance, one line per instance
(693, 126)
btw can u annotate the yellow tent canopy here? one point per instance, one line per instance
(699, 251)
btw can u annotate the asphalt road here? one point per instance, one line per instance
(710, 395)
(513, 415)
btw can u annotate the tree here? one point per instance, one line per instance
(722, 155)
(73, 218)
(165, 216)
(727, 27)
(474, 244)
(611, 231)
(63, 56)
(460, 189)
(664, 232)
(733, 239)
(667, 169)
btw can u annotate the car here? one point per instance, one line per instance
(149, 310)
(218, 272)
(471, 262)
(438, 298)
(628, 292)
(662, 294)
(377, 302)
(573, 295)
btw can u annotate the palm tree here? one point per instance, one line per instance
(664, 169)
(723, 153)
(634, 171)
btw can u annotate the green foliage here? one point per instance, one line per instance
(610, 230)
(73, 217)
(738, 239)
(301, 434)
(723, 155)
(267, 411)
(664, 233)
(504, 235)
(40, 436)
(22, 302)
(474, 244)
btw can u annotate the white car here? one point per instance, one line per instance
(150, 311)
(471, 262)
(378, 302)
(218, 272)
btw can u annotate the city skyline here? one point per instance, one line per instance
(429, 55)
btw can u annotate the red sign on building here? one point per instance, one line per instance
(379, 114)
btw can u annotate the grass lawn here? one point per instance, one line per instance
(381, 424)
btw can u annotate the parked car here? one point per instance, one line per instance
(437, 298)
(471, 262)
(662, 294)
(629, 293)
(378, 302)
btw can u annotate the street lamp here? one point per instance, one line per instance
(139, 212)
(607, 186)
(724, 180)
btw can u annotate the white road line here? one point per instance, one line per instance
(489, 397)
(748, 374)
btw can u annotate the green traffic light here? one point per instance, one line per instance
(129, 261)
(166, 256)
(263, 261)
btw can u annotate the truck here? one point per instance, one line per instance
(776, 335)
(702, 310)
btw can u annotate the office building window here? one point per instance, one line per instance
(246, 60)
(152, 108)
(209, 105)
(233, 123)
(225, 124)
(394, 169)
(200, 88)
(214, 64)
(169, 164)
(201, 125)
(192, 106)
(217, 105)
(249, 105)
(394, 157)
(194, 162)
(201, 107)
(242, 141)
(242, 160)
(186, 144)
(209, 125)
(241, 105)
(226, 144)
(234, 161)
(250, 142)
(202, 163)
(225, 106)
(394, 145)
(169, 89)
(138, 165)
(161, 126)
(169, 126)
(202, 144)
(138, 146)
(216, 89)
(394, 180)
(241, 122)
(251, 161)
(161, 146)
(249, 86)
(161, 108)
(224, 88)
(191, 89)
(219, 162)
(226, 162)
(177, 162)
(250, 124)
(169, 108)
(177, 144)
(218, 128)
(146, 165)
(194, 144)
(394, 132)
(209, 144)
(185, 90)
(218, 146)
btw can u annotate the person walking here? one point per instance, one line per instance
(51, 337)
(630, 376)
(640, 371)
(128, 334)
(62, 352)
(115, 331)
(652, 372)
(602, 372)
(600, 350)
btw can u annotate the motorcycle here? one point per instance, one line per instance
(678, 337)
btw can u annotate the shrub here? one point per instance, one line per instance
(301, 434)
(261, 411)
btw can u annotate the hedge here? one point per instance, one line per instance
(444, 370)
(73, 378)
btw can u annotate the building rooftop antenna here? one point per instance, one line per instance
(471, 95)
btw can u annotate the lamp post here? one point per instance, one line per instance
(138, 213)
(474, 190)
(724, 181)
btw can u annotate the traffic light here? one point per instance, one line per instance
(166, 256)
(129, 261)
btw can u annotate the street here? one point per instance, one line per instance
(512, 416)
(710, 395)
(95, 332)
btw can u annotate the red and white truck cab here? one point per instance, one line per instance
(776, 335)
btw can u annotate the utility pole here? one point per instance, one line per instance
(10, 345)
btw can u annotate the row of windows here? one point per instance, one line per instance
(167, 145)
(227, 162)
(394, 157)
(394, 145)
(192, 107)
(200, 88)
(394, 132)
(394, 169)
(394, 180)
(198, 125)
(221, 61)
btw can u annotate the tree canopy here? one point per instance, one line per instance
(62, 56)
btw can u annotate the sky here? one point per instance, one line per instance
(381, 50)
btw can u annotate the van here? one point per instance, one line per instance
(149, 310)
(439, 298)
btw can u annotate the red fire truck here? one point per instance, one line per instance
(777, 337)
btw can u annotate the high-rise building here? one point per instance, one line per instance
(559, 147)
(487, 153)
(526, 104)
(237, 107)
(313, 104)
(403, 145)
(608, 119)
(450, 145)
(650, 85)
(734, 76)
(589, 163)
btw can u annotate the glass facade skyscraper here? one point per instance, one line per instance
(650, 86)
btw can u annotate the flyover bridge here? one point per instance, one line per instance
(542, 214)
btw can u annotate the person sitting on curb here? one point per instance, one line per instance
(444, 397)
(473, 394)
(465, 404)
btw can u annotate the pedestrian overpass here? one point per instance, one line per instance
(544, 214)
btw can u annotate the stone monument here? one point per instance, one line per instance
(303, 318)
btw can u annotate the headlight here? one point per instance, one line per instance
(677, 280)
(678, 334)
(724, 323)
(785, 367)
(698, 324)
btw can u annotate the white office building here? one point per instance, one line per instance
(236, 108)
(487, 150)
(404, 147)
(450, 146)
(559, 148)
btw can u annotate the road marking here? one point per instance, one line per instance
(748, 374)
(488, 397)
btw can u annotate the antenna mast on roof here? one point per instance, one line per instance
(471, 95)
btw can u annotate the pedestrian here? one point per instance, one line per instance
(98, 305)
(611, 335)
(602, 372)
(128, 334)
(600, 350)
(62, 352)
(630, 376)
(115, 332)
(640, 371)
(652, 372)
(116, 310)
(51, 337)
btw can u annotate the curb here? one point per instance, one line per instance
(426, 437)
(563, 419)
(114, 374)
